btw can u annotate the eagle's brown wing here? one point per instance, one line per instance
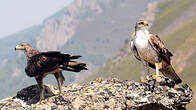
(46, 62)
(40, 64)
(159, 47)
(165, 55)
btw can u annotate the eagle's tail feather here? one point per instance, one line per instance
(75, 57)
(75, 66)
(169, 72)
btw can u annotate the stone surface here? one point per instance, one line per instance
(105, 94)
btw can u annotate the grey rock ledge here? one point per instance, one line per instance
(106, 94)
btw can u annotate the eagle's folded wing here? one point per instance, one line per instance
(40, 64)
(159, 47)
(54, 54)
(156, 42)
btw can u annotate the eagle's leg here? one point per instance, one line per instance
(158, 64)
(59, 77)
(39, 80)
(147, 70)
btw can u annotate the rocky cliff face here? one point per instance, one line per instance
(61, 27)
(105, 94)
(58, 30)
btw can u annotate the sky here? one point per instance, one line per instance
(16, 15)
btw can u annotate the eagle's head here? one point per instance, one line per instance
(141, 24)
(23, 46)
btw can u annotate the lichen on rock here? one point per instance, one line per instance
(106, 94)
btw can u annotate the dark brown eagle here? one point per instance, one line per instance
(150, 50)
(40, 64)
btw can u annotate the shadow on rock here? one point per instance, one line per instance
(31, 94)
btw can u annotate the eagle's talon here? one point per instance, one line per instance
(41, 100)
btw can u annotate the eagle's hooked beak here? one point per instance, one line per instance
(18, 47)
(145, 23)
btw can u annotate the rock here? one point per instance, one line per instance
(106, 94)
(30, 95)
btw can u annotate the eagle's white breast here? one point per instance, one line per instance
(141, 38)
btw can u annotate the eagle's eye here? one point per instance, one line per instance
(141, 23)
(22, 45)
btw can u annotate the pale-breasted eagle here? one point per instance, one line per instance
(150, 50)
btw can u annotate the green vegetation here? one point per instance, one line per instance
(121, 69)
(187, 31)
(168, 11)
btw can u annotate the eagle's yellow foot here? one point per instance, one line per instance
(177, 86)
(157, 76)
(143, 81)
(41, 100)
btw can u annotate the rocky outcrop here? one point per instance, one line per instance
(106, 94)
